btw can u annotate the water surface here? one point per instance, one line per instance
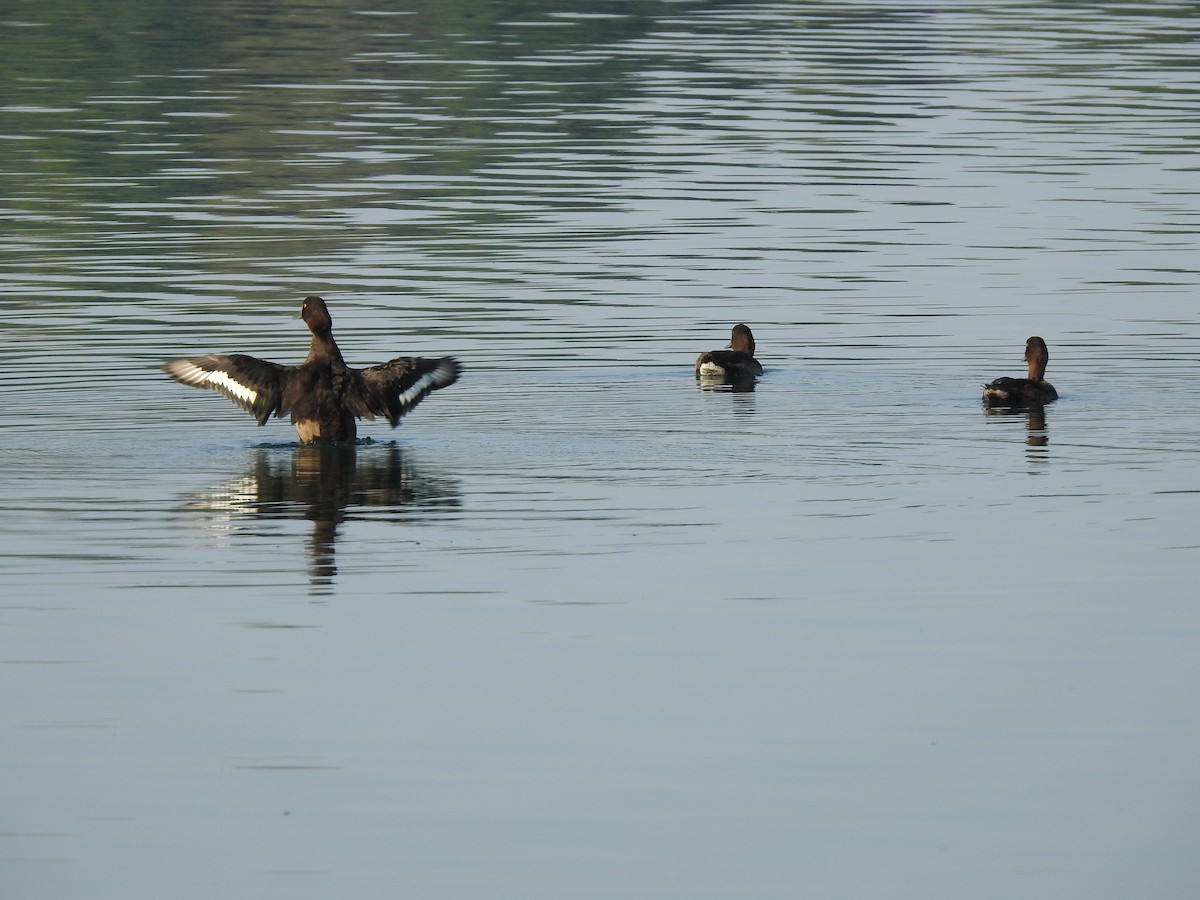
(582, 627)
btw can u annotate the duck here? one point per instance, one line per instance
(735, 362)
(1032, 391)
(324, 396)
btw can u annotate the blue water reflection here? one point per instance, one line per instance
(583, 626)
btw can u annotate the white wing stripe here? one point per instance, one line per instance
(237, 389)
(427, 382)
(192, 374)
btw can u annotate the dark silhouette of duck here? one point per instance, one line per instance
(1032, 391)
(323, 394)
(735, 362)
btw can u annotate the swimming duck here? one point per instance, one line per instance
(323, 394)
(735, 362)
(1033, 390)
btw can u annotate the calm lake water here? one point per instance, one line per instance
(582, 627)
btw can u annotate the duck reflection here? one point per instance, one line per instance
(733, 385)
(328, 484)
(741, 404)
(1036, 433)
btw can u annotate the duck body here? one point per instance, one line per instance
(1018, 392)
(733, 363)
(323, 396)
(1034, 390)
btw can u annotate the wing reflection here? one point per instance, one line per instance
(327, 485)
(1036, 433)
(741, 403)
(732, 384)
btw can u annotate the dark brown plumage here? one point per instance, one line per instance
(1031, 391)
(323, 395)
(735, 362)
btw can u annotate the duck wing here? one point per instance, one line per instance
(1018, 391)
(395, 387)
(255, 385)
(732, 361)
